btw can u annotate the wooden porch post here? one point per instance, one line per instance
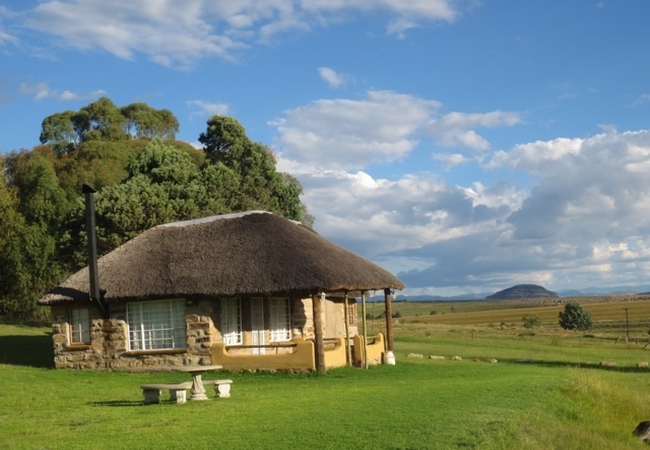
(319, 345)
(390, 356)
(365, 330)
(346, 317)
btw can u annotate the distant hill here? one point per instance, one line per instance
(583, 292)
(522, 291)
(438, 298)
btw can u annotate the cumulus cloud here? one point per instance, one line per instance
(458, 129)
(565, 211)
(350, 134)
(584, 219)
(181, 32)
(383, 127)
(42, 91)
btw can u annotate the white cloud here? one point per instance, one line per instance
(383, 127)
(181, 32)
(335, 80)
(170, 33)
(200, 108)
(539, 155)
(42, 91)
(350, 134)
(449, 160)
(584, 219)
(6, 38)
(457, 129)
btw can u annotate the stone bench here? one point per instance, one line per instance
(221, 387)
(177, 392)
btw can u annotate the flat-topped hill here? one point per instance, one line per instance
(523, 291)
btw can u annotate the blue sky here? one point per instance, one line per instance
(464, 145)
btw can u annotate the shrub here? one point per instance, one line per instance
(574, 317)
(531, 321)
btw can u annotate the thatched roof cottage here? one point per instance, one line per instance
(249, 290)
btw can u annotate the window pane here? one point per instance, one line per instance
(79, 326)
(279, 320)
(352, 314)
(231, 330)
(157, 325)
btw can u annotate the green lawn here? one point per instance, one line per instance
(553, 402)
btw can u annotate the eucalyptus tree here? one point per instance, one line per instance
(143, 121)
(102, 120)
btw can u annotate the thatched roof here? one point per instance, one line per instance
(235, 254)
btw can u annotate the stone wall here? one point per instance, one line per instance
(109, 345)
(108, 349)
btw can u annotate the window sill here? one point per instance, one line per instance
(77, 346)
(169, 351)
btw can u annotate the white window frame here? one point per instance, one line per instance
(231, 321)
(156, 325)
(352, 314)
(279, 320)
(79, 326)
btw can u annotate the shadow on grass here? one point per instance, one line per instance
(581, 365)
(119, 403)
(34, 351)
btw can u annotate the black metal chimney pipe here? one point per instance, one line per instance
(95, 294)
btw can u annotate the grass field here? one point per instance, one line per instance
(548, 391)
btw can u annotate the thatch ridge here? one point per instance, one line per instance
(251, 253)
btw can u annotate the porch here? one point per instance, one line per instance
(300, 354)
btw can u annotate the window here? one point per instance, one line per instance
(156, 325)
(279, 320)
(79, 326)
(352, 314)
(231, 321)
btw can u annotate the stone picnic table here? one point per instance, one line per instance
(198, 390)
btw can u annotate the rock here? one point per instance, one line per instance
(456, 358)
(607, 364)
(415, 355)
(642, 431)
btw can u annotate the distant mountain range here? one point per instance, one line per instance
(614, 290)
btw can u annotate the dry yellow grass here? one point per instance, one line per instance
(602, 309)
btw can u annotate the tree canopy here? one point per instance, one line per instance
(143, 177)
(103, 121)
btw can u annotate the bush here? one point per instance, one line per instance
(531, 321)
(574, 317)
